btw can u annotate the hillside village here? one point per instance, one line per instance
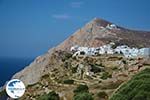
(102, 74)
(111, 48)
(102, 68)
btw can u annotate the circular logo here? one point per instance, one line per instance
(15, 88)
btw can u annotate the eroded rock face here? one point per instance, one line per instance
(32, 73)
(39, 67)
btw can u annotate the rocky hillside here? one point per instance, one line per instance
(93, 34)
(58, 71)
(102, 75)
(98, 32)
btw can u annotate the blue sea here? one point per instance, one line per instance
(9, 66)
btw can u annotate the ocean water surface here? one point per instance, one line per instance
(9, 66)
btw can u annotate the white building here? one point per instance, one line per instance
(145, 52)
(111, 26)
(74, 48)
(107, 49)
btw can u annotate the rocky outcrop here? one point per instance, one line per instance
(32, 73)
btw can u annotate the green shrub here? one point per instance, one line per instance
(95, 68)
(81, 88)
(68, 81)
(138, 88)
(66, 56)
(106, 75)
(83, 96)
(82, 93)
(50, 96)
(102, 95)
(74, 69)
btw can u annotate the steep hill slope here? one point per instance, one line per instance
(98, 32)
(138, 88)
(94, 34)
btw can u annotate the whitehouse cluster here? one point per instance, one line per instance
(109, 49)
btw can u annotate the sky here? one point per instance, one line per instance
(28, 28)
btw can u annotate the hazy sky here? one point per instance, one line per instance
(28, 28)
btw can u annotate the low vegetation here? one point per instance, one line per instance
(82, 93)
(103, 74)
(69, 81)
(81, 88)
(106, 75)
(83, 96)
(138, 88)
(95, 68)
(66, 56)
(102, 94)
(50, 96)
